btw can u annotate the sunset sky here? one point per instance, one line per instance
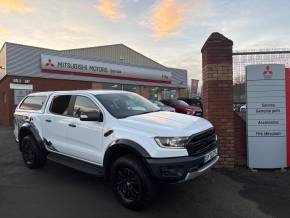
(169, 31)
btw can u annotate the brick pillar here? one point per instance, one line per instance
(217, 72)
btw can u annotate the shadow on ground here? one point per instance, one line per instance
(57, 191)
(270, 189)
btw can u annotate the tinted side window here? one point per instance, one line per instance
(60, 105)
(84, 104)
(165, 102)
(33, 103)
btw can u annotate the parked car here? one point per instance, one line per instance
(192, 101)
(119, 135)
(196, 102)
(182, 107)
(162, 106)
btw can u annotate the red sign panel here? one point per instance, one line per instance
(287, 77)
(194, 87)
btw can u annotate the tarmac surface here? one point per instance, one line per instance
(57, 191)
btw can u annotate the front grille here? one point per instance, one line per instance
(201, 143)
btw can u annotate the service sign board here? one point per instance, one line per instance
(266, 116)
(287, 77)
(79, 67)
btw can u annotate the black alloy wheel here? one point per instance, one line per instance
(33, 156)
(131, 182)
(128, 185)
(28, 153)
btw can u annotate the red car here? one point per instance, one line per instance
(196, 102)
(182, 107)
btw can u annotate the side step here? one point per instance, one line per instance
(77, 164)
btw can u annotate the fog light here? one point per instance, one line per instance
(172, 171)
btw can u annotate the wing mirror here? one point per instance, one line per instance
(92, 116)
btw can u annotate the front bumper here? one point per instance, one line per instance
(179, 169)
(200, 171)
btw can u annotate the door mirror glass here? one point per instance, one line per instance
(91, 116)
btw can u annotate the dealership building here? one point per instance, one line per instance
(25, 69)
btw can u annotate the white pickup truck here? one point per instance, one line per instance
(119, 135)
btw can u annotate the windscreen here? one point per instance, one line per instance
(122, 105)
(182, 103)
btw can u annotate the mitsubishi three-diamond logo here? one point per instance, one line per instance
(268, 72)
(49, 63)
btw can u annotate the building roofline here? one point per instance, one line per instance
(120, 44)
(91, 47)
(2, 47)
(174, 68)
(31, 46)
(145, 56)
(164, 68)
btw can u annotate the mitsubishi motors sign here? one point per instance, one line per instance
(78, 67)
(268, 116)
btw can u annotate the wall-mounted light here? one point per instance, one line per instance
(1, 67)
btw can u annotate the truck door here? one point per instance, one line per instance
(85, 138)
(55, 121)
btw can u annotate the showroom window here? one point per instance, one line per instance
(132, 88)
(154, 93)
(173, 94)
(165, 93)
(168, 93)
(112, 86)
(19, 94)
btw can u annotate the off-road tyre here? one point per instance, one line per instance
(33, 157)
(131, 182)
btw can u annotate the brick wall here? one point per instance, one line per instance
(97, 85)
(240, 139)
(5, 107)
(42, 84)
(39, 84)
(217, 75)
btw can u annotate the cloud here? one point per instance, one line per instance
(17, 6)
(3, 32)
(110, 9)
(167, 17)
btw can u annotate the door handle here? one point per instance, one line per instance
(72, 125)
(49, 121)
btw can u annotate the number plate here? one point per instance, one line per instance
(210, 155)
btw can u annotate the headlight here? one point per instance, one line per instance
(189, 112)
(171, 142)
